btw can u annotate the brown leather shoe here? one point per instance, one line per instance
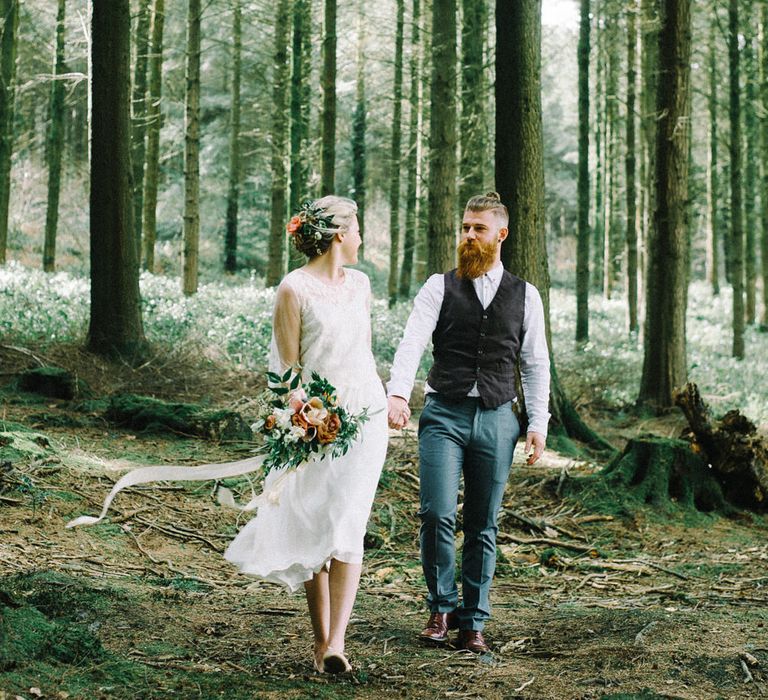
(472, 640)
(438, 626)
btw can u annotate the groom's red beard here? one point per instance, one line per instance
(476, 258)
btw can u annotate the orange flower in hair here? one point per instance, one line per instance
(294, 225)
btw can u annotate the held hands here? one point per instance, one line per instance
(398, 412)
(535, 441)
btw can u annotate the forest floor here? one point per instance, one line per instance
(592, 599)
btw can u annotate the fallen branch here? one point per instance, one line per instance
(506, 537)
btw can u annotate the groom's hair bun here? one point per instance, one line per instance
(490, 201)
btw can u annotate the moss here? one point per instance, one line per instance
(53, 382)
(144, 413)
(16, 445)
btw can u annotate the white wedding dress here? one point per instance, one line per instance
(320, 510)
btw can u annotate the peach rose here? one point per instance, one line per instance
(329, 429)
(315, 411)
(269, 422)
(293, 225)
(296, 400)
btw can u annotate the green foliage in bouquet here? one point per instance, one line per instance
(302, 422)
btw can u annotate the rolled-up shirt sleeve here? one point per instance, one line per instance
(418, 332)
(534, 362)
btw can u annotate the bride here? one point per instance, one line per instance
(314, 533)
(311, 521)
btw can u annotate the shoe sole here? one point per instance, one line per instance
(334, 664)
(433, 640)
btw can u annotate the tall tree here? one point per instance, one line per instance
(631, 169)
(55, 143)
(154, 122)
(233, 191)
(764, 149)
(737, 223)
(394, 160)
(598, 232)
(139, 112)
(413, 165)
(614, 243)
(751, 153)
(421, 249)
(582, 251)
(472, 126)
(713, 233)
(192, 151)
(441, 234)
(328, 150)
(520, 173)
(664, 362)
(115, 321)
(359, 127)
(276, 265)
(9, 11)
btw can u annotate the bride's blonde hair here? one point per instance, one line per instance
(339, 212)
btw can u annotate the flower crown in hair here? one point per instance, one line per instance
(310, 222)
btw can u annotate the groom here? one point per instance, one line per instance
(482, 320)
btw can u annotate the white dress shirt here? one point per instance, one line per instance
(534, 356)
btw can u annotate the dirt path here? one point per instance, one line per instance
(586, 605)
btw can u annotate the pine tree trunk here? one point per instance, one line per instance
(328, 152)
(752, 145)
(713, 232)
(139, 115)
(55, 144)
(764, 149)
(192, 152)
(599, 200)
(582, 252)
(472, 125)
(394, 160)
(634, 325)
(413, 165)
(614, 242)
(664, 363)
(233, 191)
(737, 229)
(421, 254)
(9, 10)
(277, 237)
(154, 122)
(115, 321)
(649, 59)
(441, 235)
(300, 109)
(359, 121)
(520, 174)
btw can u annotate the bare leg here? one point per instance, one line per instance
(343, 582)
(319, 603)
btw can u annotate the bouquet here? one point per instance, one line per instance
(303, 422)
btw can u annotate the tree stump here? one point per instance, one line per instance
(657, 470)
(144, 413)
(732, 448)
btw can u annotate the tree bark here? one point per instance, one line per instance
(472, 125)
(764, 148)
(713, 232)
(413, 166)
(751, 151)
(115, 321)
(359, 126)
(154, 122)
(9, 10)
(421, 253)
(614, 241)
(634, 325)
(664, 361)
(394, 160)
(192, 151)
(737, 228)
(233, 191)
(277, 237)
(598, 249)
(441, 235)
(328, 152)
(582, 251)
(55, 144)
(139, 115)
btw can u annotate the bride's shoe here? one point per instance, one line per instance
(335, 662)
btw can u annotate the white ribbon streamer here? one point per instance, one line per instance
(202, 472)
